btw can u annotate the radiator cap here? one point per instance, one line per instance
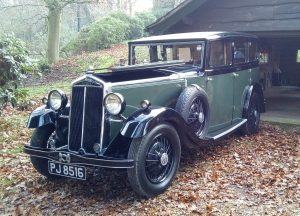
(90, 70)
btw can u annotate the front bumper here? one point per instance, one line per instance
(65, 156)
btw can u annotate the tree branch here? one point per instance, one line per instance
(21, 5)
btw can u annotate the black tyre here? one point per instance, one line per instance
(40, 139)
(192, 104)
(156, 160)
(252, 114)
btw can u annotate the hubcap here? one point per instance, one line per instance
(201, 117)
(164, 159)
(159, 160)
(196, 118)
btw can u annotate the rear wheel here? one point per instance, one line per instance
(40, 138)
(252, 115)
(156, 160)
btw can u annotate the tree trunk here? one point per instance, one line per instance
(54, 20)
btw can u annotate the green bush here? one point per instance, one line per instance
(146, 18)
(116, 28)
(14, 65)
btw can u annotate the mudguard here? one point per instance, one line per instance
(249, 90)
(44, 116)
(143, 121)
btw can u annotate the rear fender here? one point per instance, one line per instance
(255, 87)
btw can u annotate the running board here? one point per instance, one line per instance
(218, 134)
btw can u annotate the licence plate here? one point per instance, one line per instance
(77, 172)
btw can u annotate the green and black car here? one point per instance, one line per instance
(179, 90)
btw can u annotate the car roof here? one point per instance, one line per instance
(191, 36)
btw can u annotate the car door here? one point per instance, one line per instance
(219, 84)
(243, 57)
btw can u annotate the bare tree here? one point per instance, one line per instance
(55, 8)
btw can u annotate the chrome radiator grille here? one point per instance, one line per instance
(86, 117)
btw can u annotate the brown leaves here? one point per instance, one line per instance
(241, 176)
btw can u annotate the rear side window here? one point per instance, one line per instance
(220, 53)
(252, 51)
(240, 51)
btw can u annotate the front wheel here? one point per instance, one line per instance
(156, 160)
(40, 139)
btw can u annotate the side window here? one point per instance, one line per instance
(240, 51)
(252, 51)
(220, 53)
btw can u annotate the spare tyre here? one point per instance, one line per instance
(193, 106)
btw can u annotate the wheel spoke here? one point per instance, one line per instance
(159, 159)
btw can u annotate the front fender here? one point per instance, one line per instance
(143, 121)
(40, 117)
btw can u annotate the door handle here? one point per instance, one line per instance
(235, 74)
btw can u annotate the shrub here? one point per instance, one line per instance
(14, 65)
(146, 18)
(116, 28)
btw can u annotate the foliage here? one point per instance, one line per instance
(14, 65)
(103, 33)
(14, 61)
(146, 18)
(43, 66)
(16, 97)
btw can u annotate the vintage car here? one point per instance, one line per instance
(178, 90)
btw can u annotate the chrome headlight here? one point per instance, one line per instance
(57, 100)
(114, 103)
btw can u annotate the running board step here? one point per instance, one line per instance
(220, 133)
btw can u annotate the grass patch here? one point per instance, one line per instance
(97, 62)
(43, 90)
(17, 150)
(17, 120)
(7, 182)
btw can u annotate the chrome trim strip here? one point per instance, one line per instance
(90, 86)
(105, 92)
(62, 147)
(143, 81)
(83, 115)
(70, 121)
(229, 130)
(104, 160)
(64, 116)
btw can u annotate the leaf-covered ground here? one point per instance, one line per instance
(74, 66)
(257, 175)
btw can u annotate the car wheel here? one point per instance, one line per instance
(156, 160)
(192, 104)
(40, 138)
(252, 115)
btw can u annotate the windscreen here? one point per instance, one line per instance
(190, 53)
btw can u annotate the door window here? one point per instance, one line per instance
(220, 53)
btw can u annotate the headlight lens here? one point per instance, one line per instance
(57, 100)
(114, 103)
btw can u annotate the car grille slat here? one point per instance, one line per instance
(85, 117)
(76, 118)
(93, 114)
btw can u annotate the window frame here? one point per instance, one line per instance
(166, 43)
(209, 53)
